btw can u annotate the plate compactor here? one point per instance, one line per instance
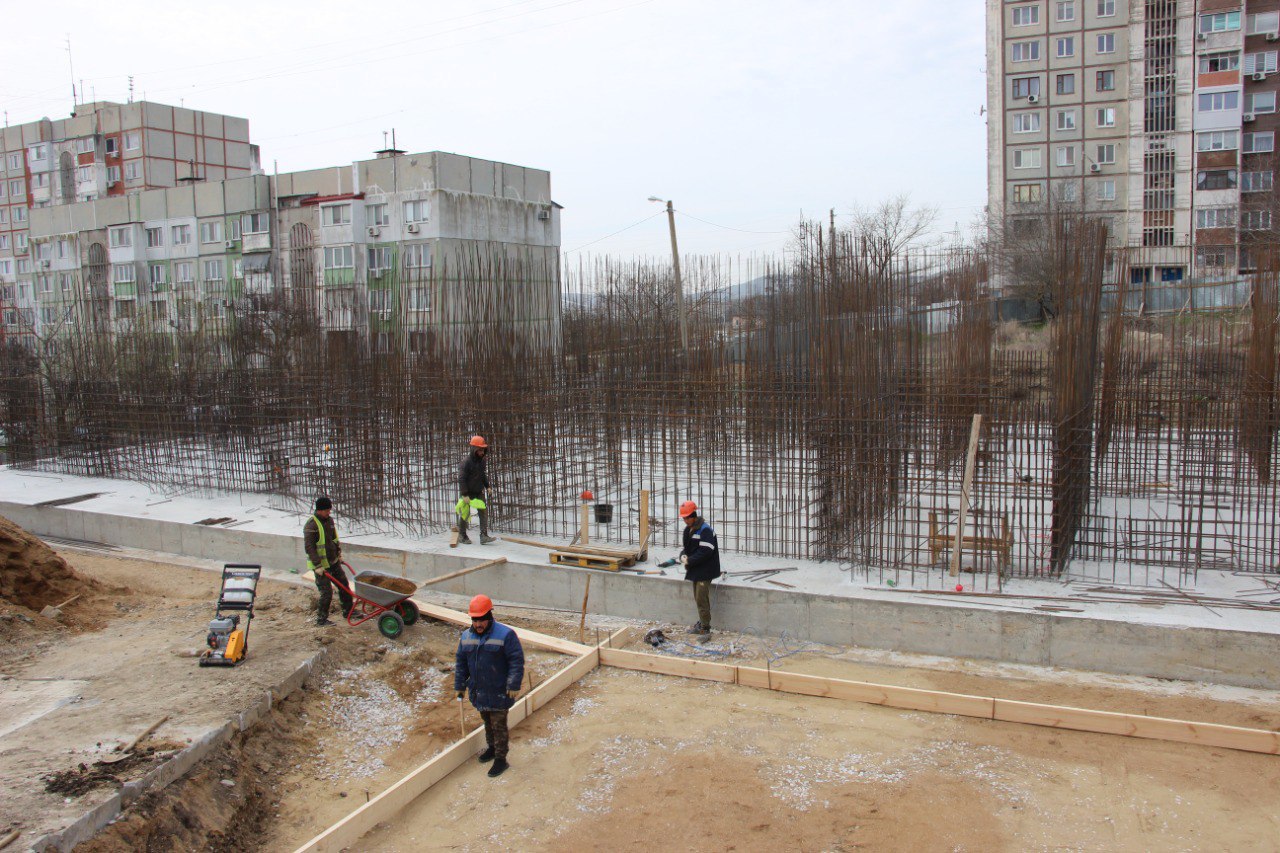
(228, 640)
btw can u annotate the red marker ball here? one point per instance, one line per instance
(959, 587)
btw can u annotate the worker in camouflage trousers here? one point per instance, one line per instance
(701, 559)
(324, 553)
(473, 483)
(490, 663)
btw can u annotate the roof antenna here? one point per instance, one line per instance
(131, 88)
(72, 67)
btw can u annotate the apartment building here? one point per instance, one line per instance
(1156, 114)
(403, 249)
(103, 151)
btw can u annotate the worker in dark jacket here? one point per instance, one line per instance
(701, 559)
(491, 663)
(324, 552)
(473, 483)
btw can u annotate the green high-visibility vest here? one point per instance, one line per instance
(320, 544)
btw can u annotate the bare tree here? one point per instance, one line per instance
(889, 229)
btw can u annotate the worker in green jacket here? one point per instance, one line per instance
(324, 553)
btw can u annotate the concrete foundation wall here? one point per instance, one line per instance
(1241, 658)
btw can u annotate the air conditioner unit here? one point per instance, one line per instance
(544, 215)
(413, 228)
(44, 265)
(1201, 37)
(1260, 75)
(1273, 36)
(373, 231)
(229, 244)
(1094, 167)
(1248, 117)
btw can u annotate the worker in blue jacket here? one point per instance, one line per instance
(701, 559)
(490, 662)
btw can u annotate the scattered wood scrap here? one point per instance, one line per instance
(587, 561)
(75, 499)
(207, 522)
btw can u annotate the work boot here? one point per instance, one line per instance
(697, 628)
(464, 539)
(324, 623)
(486, 539)
(499, 767)
(486, 756)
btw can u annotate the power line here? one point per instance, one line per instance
(728, 227)
(616, 233)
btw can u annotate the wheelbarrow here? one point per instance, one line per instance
(391, 608)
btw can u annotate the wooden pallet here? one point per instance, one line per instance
(941, 542)
(589, 561)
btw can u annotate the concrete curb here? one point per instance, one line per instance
(92, 822)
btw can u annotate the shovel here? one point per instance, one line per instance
(52, 612)
(124, 753)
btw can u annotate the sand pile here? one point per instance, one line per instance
(32, 575)
(404, 586)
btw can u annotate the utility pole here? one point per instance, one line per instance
(675, 262)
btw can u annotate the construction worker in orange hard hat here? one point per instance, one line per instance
(473, 483)
(701, 558)
(490, 662)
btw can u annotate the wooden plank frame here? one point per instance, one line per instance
(356, 825)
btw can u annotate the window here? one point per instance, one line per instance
(183, 272)
(255, 223)
(1023, 87)
(1026, 193)
(419, 299)
(339, 257)
(1066, 84)
(1107, 190)
(1026, 51)
(1026, 122)
(63, 247)
(4, 241)
(1262, 22)
(24, 264)
(15, 162)
(1259, 143)
(336, 214)
(4, 215)
(1260, 63)
(155, 237)
(132, 141)
(1256, 182)
(1107, 43)
(420, 211)
(1066, 10)
(1220, 22)
(379, 258)
(1261, 102)
(40, 180)
(379, 300)
(1066, 155)
(1216, 179)
(66, 281)
(132, 170)
(1106, 153)
(1216, 217)
(233, 228)
(43, 251)
(237, 268)
(377, 214)
(1227, 61)
(211, 270)
(155, 274)
(1106, 8)
(1026, 16)
(1026, 158)
(1066, 119)
(1216, 101)
(1066, 46)
(17, 188)
(84, 145)
(48, 316)
(1069, 192)
(211, 232)
(121, 237)
(123, 274)
(113, 175)
(1256, 220)
(417, 256)
(113, 145)
(1106, 117)
(46, 284)
(180, 234)
(84, 174)
(1218, 140)
(39, 152)
(20, 242)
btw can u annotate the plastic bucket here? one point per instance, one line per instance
(604, 513)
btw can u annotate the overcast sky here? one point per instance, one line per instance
(745, 112)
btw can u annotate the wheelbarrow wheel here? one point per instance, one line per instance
(391, 625)
(408, 611)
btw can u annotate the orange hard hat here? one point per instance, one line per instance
(480, 606)
(478, 441)
(688, 508)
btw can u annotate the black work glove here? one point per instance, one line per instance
(461, 693)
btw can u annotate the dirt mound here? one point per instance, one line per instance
(32, 575)
(403, 586)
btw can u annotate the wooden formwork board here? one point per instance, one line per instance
(589, 561)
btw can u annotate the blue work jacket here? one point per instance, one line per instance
(489, 665)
